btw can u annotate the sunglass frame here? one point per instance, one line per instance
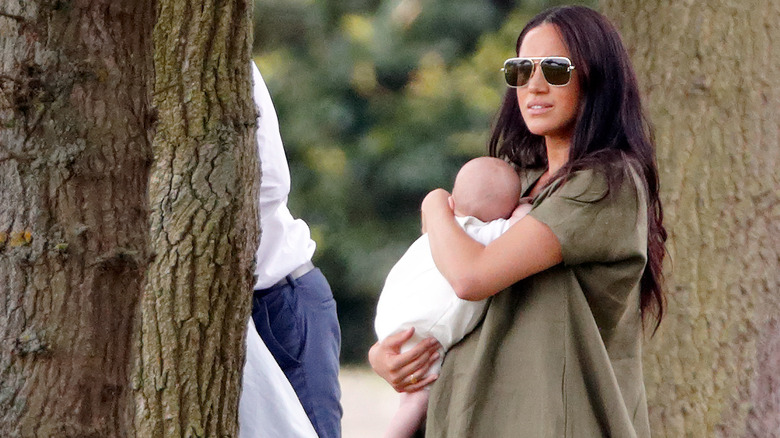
(534, 61)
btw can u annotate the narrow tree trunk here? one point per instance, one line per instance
(204, 222)
(710, 73)
(74, 160)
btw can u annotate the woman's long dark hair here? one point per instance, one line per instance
(611, 127)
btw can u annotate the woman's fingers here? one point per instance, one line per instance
(397, 340)
(403, 360)
(419, 366)
(386, 359)
(421, 383)
(413, 375)
(406, 372)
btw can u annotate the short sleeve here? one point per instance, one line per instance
(593, 224)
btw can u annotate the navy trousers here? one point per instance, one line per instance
(298, 323)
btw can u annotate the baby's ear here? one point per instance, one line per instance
(451, 202)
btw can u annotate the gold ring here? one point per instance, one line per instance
(414, 379)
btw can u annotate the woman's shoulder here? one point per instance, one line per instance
(618, 178)
(597, 215)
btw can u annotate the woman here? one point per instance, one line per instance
(559, 351)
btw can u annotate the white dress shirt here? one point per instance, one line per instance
(285, 242)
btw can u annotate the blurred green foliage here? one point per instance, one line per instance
(379, 102)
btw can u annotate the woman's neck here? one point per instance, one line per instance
(557, 153)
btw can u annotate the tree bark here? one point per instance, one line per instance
(204, 223)
(709, 72)
(74, 160)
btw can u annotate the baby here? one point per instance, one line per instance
(485, 200)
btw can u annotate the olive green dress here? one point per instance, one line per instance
(559, 353)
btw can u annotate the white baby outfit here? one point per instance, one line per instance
(417, 295)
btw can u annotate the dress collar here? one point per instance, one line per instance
(530, 177)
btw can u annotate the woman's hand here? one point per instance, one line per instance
(404, 371)
(436, 201)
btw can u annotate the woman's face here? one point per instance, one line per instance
(547, 110)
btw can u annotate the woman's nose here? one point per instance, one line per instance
(536, 82)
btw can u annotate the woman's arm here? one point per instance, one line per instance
(477, 271)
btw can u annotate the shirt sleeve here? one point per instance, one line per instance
(593, 224)
(275, 180)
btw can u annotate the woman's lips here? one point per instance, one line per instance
(538, 108)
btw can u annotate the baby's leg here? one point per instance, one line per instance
(410, 414)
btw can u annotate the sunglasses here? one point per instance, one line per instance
(555, 69)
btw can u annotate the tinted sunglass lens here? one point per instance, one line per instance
(517, 72)
(556, 71)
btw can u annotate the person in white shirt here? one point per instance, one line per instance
(486, 201)
(293, 309)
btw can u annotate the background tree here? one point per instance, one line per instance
(204, 224)
(74, 159)
(78, 130)
(710, 76)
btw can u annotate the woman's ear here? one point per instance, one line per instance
(451, 203)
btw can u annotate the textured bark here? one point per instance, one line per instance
(204, 222)
(74, 160)
(710, 75)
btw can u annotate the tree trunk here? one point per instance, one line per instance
(204, 222)
(710, 75)
(74, 161)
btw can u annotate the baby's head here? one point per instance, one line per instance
(487, 188)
